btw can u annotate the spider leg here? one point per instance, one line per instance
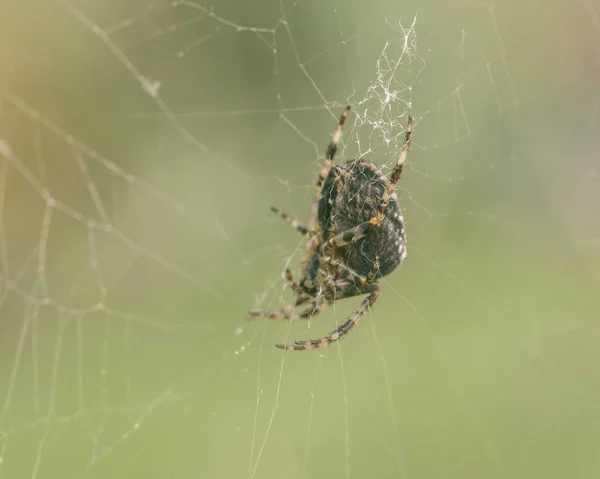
(302, 296)
(372, 276)
(339, 332)
(353, 234)
(348, 272)
(287, 312)
(329, 155)
(303, 230)
(394, 177)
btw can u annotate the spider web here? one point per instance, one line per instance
(141, 145)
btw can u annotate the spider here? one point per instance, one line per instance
(355, 236)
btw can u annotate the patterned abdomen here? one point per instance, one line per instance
(351, 196)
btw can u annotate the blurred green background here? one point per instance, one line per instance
(141, 145)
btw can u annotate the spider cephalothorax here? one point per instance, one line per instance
(355, 236)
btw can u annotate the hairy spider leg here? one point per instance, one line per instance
(342, 330)
(329, 156)
(348, 272)
(303, 230)
(372, 276)
(394, 177)
(287, 312)
(346, 237)
(302, 296)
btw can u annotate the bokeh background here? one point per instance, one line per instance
(141, 145)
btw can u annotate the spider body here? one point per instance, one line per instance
(356, 236)
(351, 196)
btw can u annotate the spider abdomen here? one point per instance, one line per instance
(351, 196)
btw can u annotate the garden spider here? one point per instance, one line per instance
(355, 236)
